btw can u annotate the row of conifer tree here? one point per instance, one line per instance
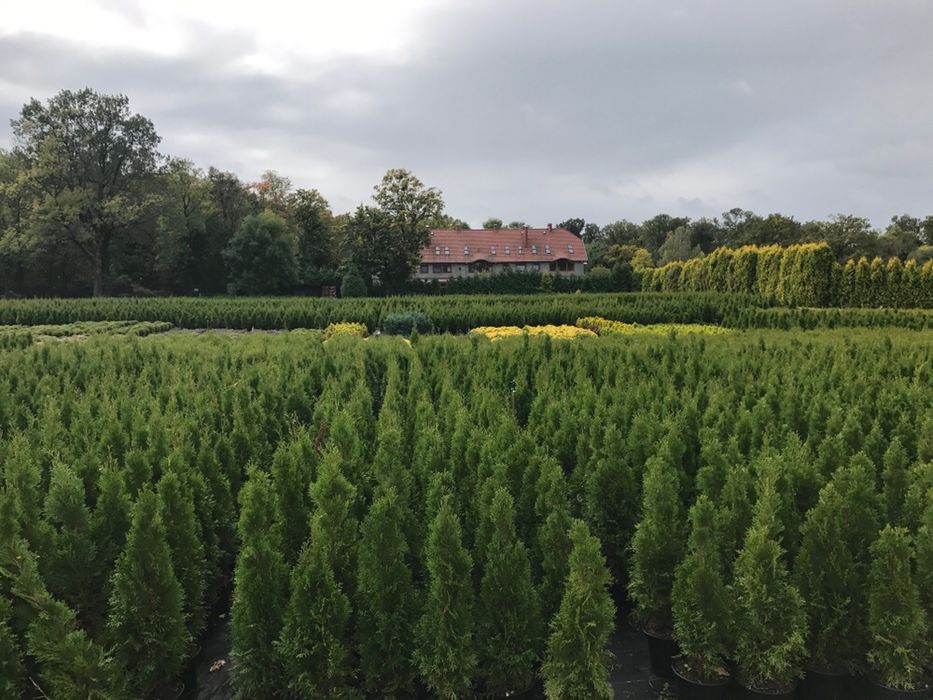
(377, 506)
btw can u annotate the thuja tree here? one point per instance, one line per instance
(895, 481)
(924, 546)
(899, 645)
(445, 646)
(553, 535)
(71, 565)
(657, 546)
(831, 568)
(387, 599)
(509, 613)
(183, 535)
(11, 662)
(147, 621)
(770, 620)
(577, 660)
(315, 643)
(333, 525)
(260, 593)
(700, 601)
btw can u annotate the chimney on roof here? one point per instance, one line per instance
(549, 228)
(524, 236)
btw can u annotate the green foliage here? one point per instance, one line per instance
(510, 624)
(315, 642)
(831, 568)
(899, 649)
(387, 599)
(12, 674)
(700, 602)
(406, 323)
(657, 546)
(146, 618)
(261, 255)
(352, 284)
(445, 644)
(260, 594)
(577, 661)
(771, 622)
(186, 543)
(85, 159)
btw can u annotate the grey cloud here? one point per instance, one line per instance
(544, 110)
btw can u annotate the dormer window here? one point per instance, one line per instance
(570, 248)
(547, 249)
(534, 249)
(492, 250)
(437, 250)
(466, 250)
(508, 250)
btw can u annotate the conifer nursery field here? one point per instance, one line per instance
(451, 516)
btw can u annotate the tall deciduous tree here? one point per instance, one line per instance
(185, 209)
(261, 255)
(88, 158)
(408, 207)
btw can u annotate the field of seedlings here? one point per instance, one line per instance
(461, 516)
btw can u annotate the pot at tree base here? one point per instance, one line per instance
(689, 689)
(874, 690)
(819, 685)
(744, 693)
(661, 650)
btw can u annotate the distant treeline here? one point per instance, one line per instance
(89, 206)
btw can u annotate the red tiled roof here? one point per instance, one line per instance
(552, 245)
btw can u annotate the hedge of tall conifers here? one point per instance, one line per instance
(458, 516)
(799, 275)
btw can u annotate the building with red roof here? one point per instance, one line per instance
(453, 253)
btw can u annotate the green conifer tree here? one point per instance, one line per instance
(770, 617)
(291, 479)
(12, 674)
(895, 482)
(387, 599)
(657, 546)
(924, 547)
(260, 593)
(333, 525)
(71, 568)
(444, 638)
(577, 661)
(553, 536)
(183, 535)
(146, 621)
(899, 649)
(700, 601)
(831, 568)
(315, 641)
(510, 622)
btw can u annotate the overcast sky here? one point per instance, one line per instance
(522, 109)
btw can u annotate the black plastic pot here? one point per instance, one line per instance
(743, 693)
(818, 685)
(661, 650)
(689, 689)
(876, 691)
